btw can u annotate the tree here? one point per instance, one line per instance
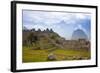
(39, 30)
(33, 29)
(51, 30)
(47, 30)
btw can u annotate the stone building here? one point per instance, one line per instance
(77, 44)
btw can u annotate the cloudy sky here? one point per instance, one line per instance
(63, 23)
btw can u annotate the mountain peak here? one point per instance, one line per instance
(79, 34)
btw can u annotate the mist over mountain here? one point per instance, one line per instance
(79, 34)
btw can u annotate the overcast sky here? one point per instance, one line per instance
(63, 23)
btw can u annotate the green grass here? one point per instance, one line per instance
(30, 55)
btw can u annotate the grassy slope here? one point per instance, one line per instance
(47, 42)
(30, 55)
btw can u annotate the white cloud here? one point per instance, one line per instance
(82, 16)
(47, 17)
(50, 18)
(39, 27)
(79, 26)
(42, 20)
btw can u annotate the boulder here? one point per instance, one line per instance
(51, 57)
